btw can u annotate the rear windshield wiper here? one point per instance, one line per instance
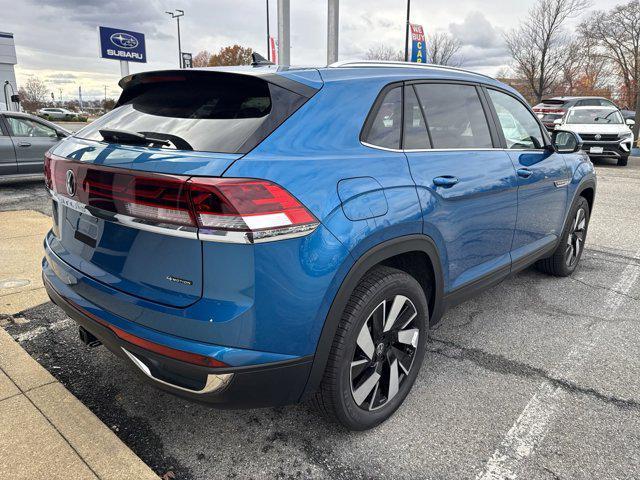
(132, 138)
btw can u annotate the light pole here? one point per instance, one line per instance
(284, 30)
(406, 33)
(268, 35)
(177, 14)
(333, 28)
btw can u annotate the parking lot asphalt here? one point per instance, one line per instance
(536, 378)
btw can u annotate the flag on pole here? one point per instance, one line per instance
(418, 44)
(273, 47)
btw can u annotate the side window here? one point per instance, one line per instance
(606, 103)
(23, 127)
(520, 128)
(454, 115)
(415, 130)
(384, 130)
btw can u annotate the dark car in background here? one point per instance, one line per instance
(24, 139)
(552, 109)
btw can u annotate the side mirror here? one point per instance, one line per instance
(61, 134)
(630, 121)
(557, 121)
(566, 141)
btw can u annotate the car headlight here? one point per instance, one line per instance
(625, 135)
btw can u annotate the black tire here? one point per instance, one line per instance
(335, 398)
(622, 161)
(559, 263)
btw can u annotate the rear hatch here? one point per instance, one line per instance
(550, 110)
(123, 187)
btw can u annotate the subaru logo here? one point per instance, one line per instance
(598, 136)
(124, 40)
(71, 183)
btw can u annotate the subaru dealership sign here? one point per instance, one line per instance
(118, 44)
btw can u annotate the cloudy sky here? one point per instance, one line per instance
(57, 40)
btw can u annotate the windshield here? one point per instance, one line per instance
(594, 116)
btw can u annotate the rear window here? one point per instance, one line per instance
(206, 111)
(551, 101)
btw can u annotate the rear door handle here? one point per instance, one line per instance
(446, 181)
(24, 144)
(524, 172)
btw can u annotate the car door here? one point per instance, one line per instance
(543, 176)
(466, 183)
(8, 165)
(31, 139)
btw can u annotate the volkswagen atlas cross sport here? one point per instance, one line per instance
(262, 236)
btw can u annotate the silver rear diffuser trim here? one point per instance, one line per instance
(214, 382)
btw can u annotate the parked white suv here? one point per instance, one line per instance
(604, 131)
(56, 113)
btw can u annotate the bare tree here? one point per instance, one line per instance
(442, 49)
(383, 52)
(202, 59)
(617, 33)
(33, 94)
(539, 45)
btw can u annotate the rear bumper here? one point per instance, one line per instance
(269, 384)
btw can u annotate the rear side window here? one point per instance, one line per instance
(415, 129)
(214, 112)
(454, 115)
(384, 128)
(589, 102)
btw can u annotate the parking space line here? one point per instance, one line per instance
(535, 420)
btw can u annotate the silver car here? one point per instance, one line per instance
(56, 113)
(24, 139)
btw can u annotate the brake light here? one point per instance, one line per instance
(222, 209)
(47, 170)
(257, 207)
(549, 110)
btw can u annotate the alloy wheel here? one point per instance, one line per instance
(575, 239)
(384, 353)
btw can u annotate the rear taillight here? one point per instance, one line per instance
(47, 170)
(257, 208)
(549, 110)
(220, 209)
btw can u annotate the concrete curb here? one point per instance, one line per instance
(45, 432)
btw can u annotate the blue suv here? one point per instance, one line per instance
(261, 236)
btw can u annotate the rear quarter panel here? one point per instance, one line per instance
(309, 155)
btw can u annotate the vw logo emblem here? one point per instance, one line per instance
(598, 136)
(124, 40)
(71, 183)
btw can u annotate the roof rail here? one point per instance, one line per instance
(399, 64)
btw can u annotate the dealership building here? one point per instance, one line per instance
(7, 73)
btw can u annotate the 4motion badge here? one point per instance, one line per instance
(183, 281)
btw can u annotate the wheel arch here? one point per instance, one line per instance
(588, 191)
(404, 253)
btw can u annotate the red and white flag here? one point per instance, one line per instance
(273, 47)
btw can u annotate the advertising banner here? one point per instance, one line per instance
(418, 45)
(273, 48)
(117, 44)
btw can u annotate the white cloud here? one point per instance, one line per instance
(60, 38)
